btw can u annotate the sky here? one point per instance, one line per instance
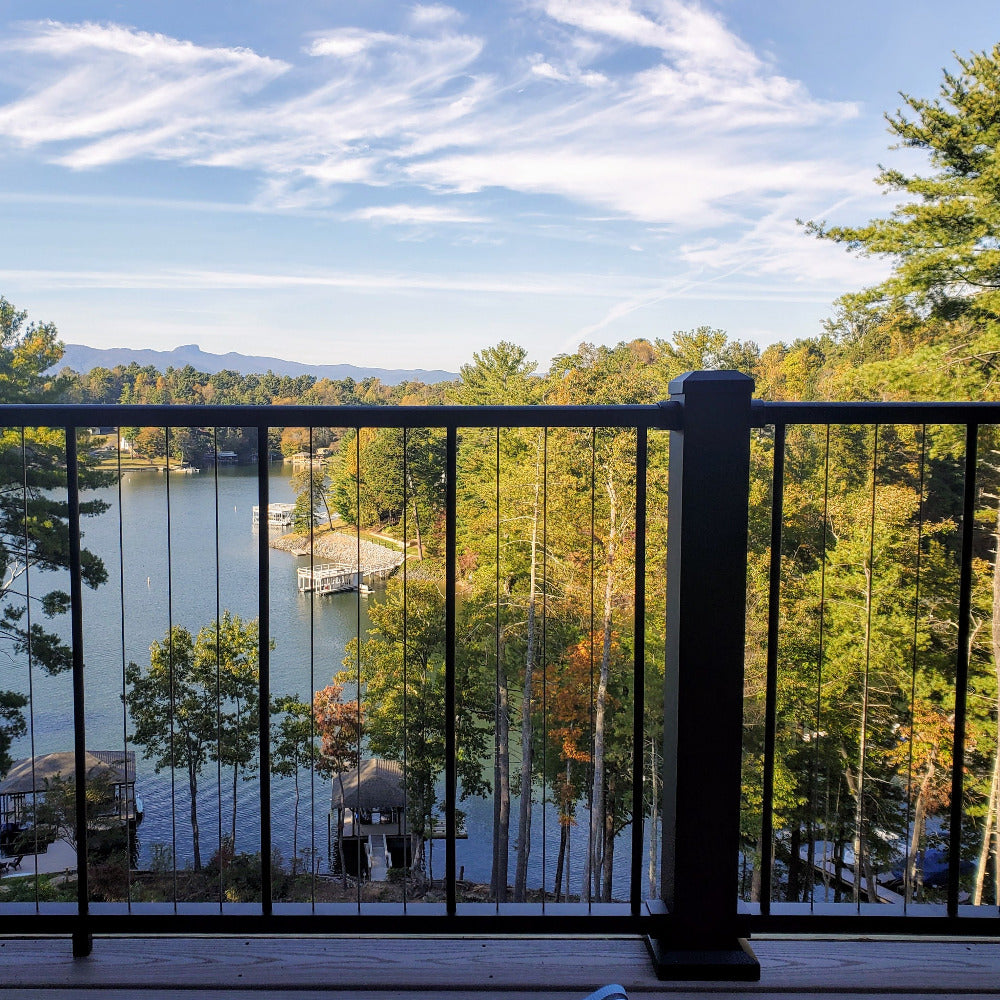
(401, 184)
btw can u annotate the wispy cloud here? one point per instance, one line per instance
(180, 280)
(626, 294)
(416, 215)
(650, 114)
(707, 124)
(433, 14)
(104, 93)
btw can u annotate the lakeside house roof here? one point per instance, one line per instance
(380, 786)
(32, 774)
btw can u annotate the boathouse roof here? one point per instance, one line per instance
(28, 775)
(380, 786)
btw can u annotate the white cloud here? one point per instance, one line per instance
(533, 284)
(344, 44)
(697, 134)
(423, 15)
(415, 215)
(682, 31)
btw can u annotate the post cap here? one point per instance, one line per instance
(715, 381)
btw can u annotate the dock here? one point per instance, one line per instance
(332, 578)
(279, 515)
(824, 866)
(328, 578)
(352, 564)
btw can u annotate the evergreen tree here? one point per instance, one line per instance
(34, 514)
(943, 238)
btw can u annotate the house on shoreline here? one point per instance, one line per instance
(28, 780)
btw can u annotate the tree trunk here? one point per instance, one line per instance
(524, 813)
(794, 865)
(416, 853)
(988, 827)
(857, 787)
(340, 832)
(597, 812)
(838, 863)
(295, 824)
(654, 819)
(857, 843)
(416, 519)
(569, 858)
(991, 813)
(501, 797)
(236, 771)
(919, 815)
(756, 883)
(561, 858)
(608, 852)
(195, 832)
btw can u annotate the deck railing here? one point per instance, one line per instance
(695, 924)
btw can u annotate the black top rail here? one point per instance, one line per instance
(665, 415)
(764, 413)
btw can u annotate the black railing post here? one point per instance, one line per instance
(82, 939)
(699, 935)
(264, 661)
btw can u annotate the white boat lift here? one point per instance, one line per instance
(279, 515)
(328, 578)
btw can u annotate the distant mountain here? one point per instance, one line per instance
(81, 359)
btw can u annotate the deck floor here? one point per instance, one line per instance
(463, 968)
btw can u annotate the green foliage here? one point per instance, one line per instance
(49, 889)
(498, 376)
(402, 681)
(197, 701)
(56, 812)
(34, 514)
(943, 238)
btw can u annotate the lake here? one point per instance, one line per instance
(182, 576)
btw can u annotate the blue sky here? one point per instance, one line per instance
(400, 184)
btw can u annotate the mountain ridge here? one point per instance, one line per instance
(82, 359)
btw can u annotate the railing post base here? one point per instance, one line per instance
(83, 944)
(733, 963)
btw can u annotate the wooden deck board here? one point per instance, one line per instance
(418, 968)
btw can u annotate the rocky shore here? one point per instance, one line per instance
(340, 547)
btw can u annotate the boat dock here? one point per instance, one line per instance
(332, 578)
(279, 515)
(327, 578)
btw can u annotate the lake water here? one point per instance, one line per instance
(182, 576)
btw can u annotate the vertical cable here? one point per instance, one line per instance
(407, 842)
(771, 683)
(821, 653)
(81, 937)
(312, 674)
(218, 663)
(121, 598)
(544, 657)
(500, 892)
(639, 673)
(962, 667)
(356, 822)
(587, 869)
(170, 668)
(451, 503)
(863, 749)
(907, 868)
(30, 651)
(264, 663)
